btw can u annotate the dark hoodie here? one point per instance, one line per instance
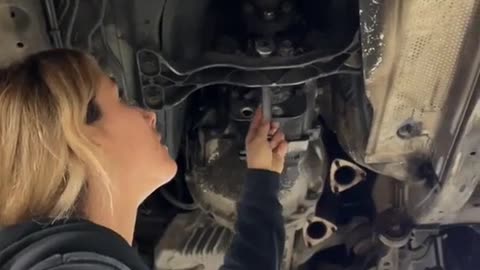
(82, 245)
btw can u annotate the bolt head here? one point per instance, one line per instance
(269, 15)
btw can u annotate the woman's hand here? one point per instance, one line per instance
(261, 153)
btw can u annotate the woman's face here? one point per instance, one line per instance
(137, 161)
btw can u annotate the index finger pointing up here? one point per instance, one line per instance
(255, 124)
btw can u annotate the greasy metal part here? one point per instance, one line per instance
(277, 111)
(169, 92)
(303, 252)
(173, 84)
(264, 47)
(317, 230)
(413, 72)
(195, 241)
(410, 130)
(321, 230)
(188, 236)
(217, 172)
(355, 60)
(292, 108)
(447, 55)
(344, 175)
(22, 30)
(217, 60)
(455, 159)
(247, 112)
(390, 261)
(393, 227)
(384, 193)
(469, 212)
(424, 251)
(54, 30)
(413, 68)
(185, 55)
(347, 107)
(269, 15)
(216, 184)
(267, 104)
(395, 242)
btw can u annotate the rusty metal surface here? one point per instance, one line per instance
(217, 187)
(421, 66)
(410, 52)
(455, 151)
(447, 201)
(22, 30)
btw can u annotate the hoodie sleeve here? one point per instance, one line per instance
(260, 233)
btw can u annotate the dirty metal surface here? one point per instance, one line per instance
(22, 30)
(411, 54)
(455, 148)
(195, 241)
(301, 183)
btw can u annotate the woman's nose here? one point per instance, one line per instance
(151, 118)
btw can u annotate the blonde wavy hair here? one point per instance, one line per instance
(45, 156)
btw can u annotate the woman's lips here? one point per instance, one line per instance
(159, 137)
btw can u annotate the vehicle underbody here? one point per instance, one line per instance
(378, 100)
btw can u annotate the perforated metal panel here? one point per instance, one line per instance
(422, 41)
(22, 30)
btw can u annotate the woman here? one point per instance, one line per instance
(76, 161)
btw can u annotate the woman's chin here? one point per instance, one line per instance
(168, 171)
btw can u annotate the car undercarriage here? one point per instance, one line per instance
(378, 100)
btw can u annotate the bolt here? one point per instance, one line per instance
(410, 130)
(396, 228)
(247, 112)
(277, 111)
(264, 47)
(269, 15)
(286, 48)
